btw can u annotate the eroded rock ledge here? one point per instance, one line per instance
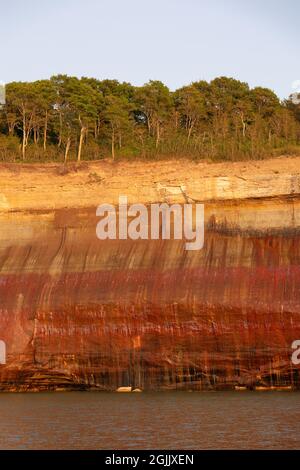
(38, 187)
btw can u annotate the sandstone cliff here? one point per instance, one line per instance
(79, 313)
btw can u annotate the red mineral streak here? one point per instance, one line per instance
(79, 313)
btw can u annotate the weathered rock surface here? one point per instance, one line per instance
(79, 313)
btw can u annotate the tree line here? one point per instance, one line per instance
(67, 118)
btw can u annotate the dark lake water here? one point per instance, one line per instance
(241, 420)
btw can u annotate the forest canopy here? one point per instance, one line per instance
(67, 118)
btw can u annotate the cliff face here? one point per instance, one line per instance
(80, 313)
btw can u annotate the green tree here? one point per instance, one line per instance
(23, 99)
(191, 106)
(118, 114)
(46, 99)
(155, 101)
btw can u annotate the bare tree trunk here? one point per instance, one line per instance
(82, 132)
(176, 120)
(60, 130)
(157, 135)
(67, 149)
(98, 126)
(149, 124)
(45, 131)
(35, 137)
(244, 126)
(113, 144)
(190, 131)
(143, 146)
(11, 126)
(24, 137)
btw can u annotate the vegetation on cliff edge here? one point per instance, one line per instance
(66, 118)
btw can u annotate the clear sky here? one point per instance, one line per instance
(176, 41)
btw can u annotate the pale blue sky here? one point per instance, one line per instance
(176, 41)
